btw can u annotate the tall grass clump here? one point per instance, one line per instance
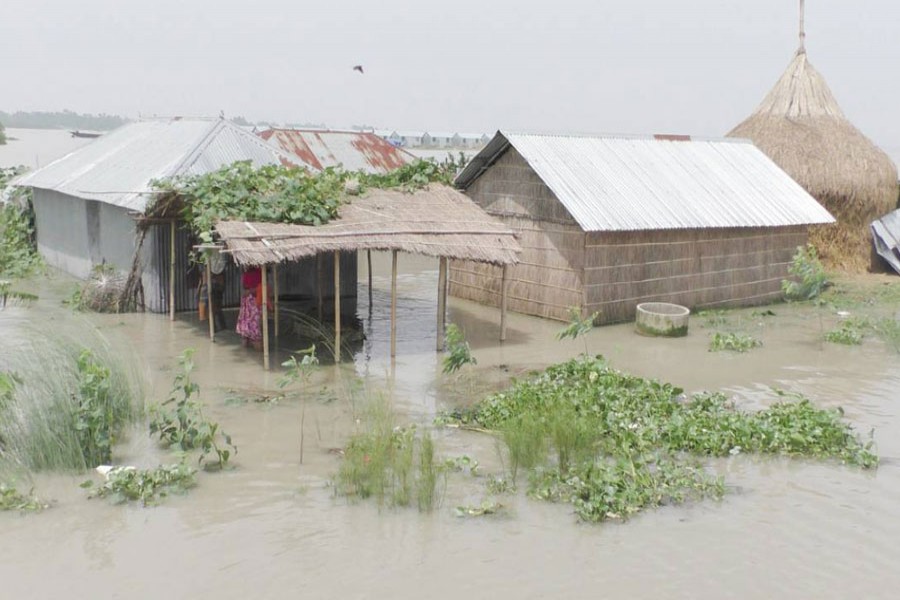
(613, 444)
(66, 399)
(389, 463)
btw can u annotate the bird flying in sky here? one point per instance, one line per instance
(359, 68)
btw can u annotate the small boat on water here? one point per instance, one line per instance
(86, 134)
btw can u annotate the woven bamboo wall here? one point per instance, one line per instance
(548, 278)
(696, 268)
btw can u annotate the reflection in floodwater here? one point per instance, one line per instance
(272, 528)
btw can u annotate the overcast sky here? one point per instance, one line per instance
(631, 66)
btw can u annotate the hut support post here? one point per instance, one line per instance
(369, 260)
(337, 306)
(172, 270)
(442, 302)
(504, 283)
(393, 303)
(209, 302)
(265, 317)
(275, 294)
(320, 283)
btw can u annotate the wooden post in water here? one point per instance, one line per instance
(320, 283)
(265, 317)
(369, 260)
(172, 271)
(393, 304)
(504, 283)
(337, 306)
(441, 301)
(209, 301)
(275, 294)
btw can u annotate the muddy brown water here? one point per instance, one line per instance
(272, 528)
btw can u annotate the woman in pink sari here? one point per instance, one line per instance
(249, 324)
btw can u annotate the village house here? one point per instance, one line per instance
(89, 204)
(607, 222)
(352, 150)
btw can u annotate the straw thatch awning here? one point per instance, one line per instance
(438, 221)
(801, 127)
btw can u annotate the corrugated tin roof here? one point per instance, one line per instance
(118, 167)
(354, 150)
(627, 183)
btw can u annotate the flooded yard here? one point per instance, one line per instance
(272, 527)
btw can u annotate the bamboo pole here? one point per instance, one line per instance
(265, 318)
(441, 302)
(802, 26)
(275, 285)
(393, 303)
(209, 301)
(337, 306)
(172, 270)
(504, 282)
(320, 279)
(369, 260)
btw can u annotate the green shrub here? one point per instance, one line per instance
(458, 351)
(809, 275)
(179, 422)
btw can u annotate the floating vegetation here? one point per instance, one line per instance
(149, 486)
(735, 342)
(613, 444)
(390, 463)
(179, 422)
(484, 509)
(64, 403)
(850, 333)
(10, 499)
(713, 318)
(809, 278)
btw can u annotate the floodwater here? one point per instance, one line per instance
(272, 528)
(35, 148)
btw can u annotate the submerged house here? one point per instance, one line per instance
(352, 150)
(89, 203)
(606, 222)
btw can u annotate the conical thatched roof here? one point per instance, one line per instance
(801, 127)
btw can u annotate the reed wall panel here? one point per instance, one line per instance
(696, 268)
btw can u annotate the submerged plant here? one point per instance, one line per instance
(299, 370)
(458, 351)
(735, 342)
(149, 486)
(179, 420)
(578, 326)
(809, 275)
(389, 463)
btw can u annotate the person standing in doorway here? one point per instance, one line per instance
(249, 325)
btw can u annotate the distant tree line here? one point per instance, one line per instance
(2, 135)
(65, 119)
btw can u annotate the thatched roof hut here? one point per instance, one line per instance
(801, 127)
(437, 221)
